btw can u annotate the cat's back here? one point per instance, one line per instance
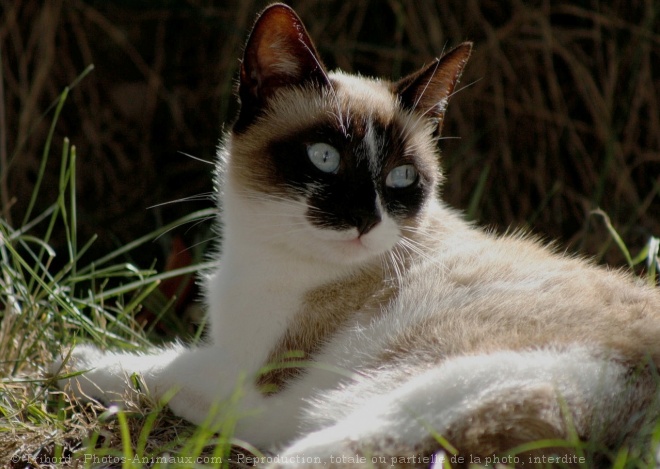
(476, 292)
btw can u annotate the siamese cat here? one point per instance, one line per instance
(358, 315)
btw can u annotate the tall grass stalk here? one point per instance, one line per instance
(45, 311)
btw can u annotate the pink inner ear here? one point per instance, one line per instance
(279, 53)
(275, 57)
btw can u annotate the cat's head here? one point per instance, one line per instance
(331, 165)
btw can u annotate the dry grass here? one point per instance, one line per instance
(561, 115)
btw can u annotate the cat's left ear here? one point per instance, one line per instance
(279, 53)
(428, 90)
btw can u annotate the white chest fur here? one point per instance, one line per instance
(258, 287)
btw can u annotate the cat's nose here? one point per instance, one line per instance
(365, 222)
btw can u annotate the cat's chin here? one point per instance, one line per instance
(348, 248)
(351, 251)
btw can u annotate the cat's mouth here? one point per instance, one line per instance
(353, 249)
(348, 238)
(353, 243)
(350, 246)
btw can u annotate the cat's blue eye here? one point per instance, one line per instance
(325, 157)
(401, 176)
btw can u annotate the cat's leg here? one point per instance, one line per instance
(205, 380)
(200, 377)
(480, 404)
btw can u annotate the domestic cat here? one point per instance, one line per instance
(358, 314)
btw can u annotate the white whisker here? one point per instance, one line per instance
(192, 246)
(192, 198)
(196, 222)
(196, 158)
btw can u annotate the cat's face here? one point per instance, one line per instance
(334, 166)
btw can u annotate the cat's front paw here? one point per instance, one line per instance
(88, 373)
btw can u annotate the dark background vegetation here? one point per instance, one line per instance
(561, 111)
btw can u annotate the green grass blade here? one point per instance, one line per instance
(129, 287)
(615, 236)
(478, 193)
(73, 242)
(653, 260)
(44, 158)
(56, 296)
(125, 432)
(195, 216)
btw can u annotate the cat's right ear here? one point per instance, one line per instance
(279, 53)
